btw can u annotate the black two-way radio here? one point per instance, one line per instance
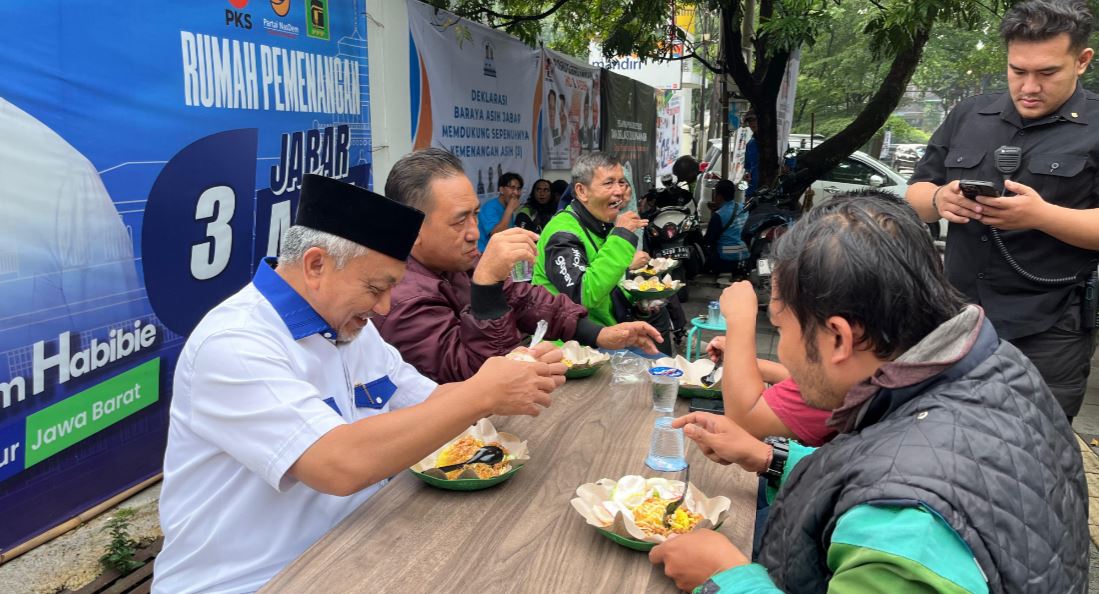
(1008, 159)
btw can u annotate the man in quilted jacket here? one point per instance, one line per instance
(954, 470)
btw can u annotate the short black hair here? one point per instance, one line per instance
(868, 258)
(1041, 20)
(726, 189)
(506, 178)
(409, 180)
(558, 187)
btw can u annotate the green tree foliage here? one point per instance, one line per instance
(891, 33)
(838, 72)
(959, 63)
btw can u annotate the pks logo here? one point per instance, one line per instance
(241, 20)
(316, 19)
(281, 7)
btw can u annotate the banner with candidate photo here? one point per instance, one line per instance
(475, 92)
(150, 156)
(629, 129)
(669, 121)
(570, 110)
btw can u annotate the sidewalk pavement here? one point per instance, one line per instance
(1086, 424)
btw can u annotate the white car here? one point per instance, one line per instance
(860, 171)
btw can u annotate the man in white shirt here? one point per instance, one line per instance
(289, 410)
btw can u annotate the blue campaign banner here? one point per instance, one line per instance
(150, 156)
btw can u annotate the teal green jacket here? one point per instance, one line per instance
(585, 259)
(877, 549)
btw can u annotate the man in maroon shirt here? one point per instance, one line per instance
(456, 307)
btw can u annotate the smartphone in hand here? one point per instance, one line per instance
(971, 188)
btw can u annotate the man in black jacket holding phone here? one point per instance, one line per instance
(1026, 253)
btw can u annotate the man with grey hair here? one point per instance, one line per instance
(586, 249)
(1024, 245)
(456, 307)
(289, 410)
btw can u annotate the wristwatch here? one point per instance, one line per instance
(780, 451)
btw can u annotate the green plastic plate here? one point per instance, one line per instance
(585, 371)
(466, 484)
(629, 543)
(699, 392)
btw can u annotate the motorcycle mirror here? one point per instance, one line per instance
(742, 186)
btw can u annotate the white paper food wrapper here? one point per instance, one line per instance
(590, 499)
(583, 356)
(659, 265)
(693, 371)
(667, 280)
(485, 432)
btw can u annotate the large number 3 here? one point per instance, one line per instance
(209, 258)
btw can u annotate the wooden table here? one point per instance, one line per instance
(522, 535)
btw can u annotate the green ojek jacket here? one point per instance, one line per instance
(876, 549)
(585, 259)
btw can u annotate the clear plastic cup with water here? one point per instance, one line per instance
(666, 447)
(713, 314)
(665, 387)
(522, 272)
(627, 368)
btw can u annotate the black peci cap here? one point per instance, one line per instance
(359, 215)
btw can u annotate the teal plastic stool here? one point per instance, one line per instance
(694, 337)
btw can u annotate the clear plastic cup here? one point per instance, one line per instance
(627, 368)
(666, 447)
(713, 314)
(522, 272)
(665, 386)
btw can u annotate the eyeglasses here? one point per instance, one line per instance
(514, 187)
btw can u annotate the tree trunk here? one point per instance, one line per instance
(815, 163)
(760, 85)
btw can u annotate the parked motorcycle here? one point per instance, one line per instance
(770, 212)
(673, 231)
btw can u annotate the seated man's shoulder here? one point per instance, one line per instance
(559, 234)
(246, 312)
(417, 284)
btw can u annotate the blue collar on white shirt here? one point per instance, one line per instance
(300, 317)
